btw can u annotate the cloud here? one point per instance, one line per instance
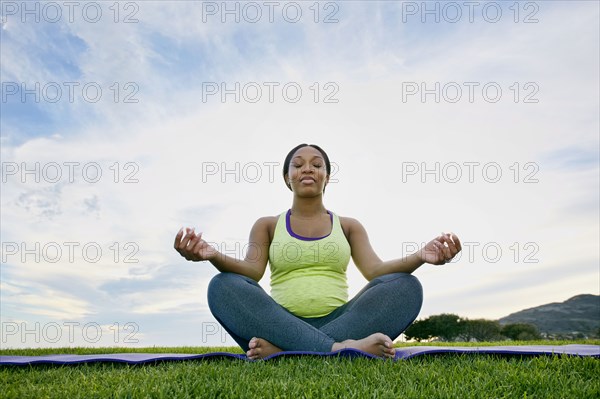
(174, 159)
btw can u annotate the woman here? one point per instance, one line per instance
(308, 249)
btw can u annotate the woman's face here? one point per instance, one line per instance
(307, 171)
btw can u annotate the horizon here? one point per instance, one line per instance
(550, 303)
(121, 123)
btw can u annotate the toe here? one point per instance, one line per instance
(253, 343)
(251, 355)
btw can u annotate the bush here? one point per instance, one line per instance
(445, 326)
(481, 330)
(520, 331)
(449, 327)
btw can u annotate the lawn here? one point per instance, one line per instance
(446, 376)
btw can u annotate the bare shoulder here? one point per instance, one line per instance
(267, 221)
(348, 221)
(266, 224)
(349, 225)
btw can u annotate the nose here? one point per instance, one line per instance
(307, 168)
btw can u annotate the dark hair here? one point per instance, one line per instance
(288, 159)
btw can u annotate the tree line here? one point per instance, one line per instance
(451, 327)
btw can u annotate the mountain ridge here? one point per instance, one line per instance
(578, 315)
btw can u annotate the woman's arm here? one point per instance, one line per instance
(193, 247)
(438, 251)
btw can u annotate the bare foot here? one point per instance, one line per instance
(377, 344)
(260, 348)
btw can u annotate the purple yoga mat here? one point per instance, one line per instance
(401, 353)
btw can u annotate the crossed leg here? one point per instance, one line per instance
(383, 309)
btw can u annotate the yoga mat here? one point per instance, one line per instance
(401, 354)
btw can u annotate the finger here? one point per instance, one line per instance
(187, 237)
(456, 242)
(445, 237)
(182, 245)
(178, 237)
(451, 246)
(448, 240)
(195, 240)
(186, 245)
(199, 238)
(439, 252)
(184, 233)
(198, 246)
(449, 235)
(445, 248)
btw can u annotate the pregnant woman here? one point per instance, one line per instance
(308, 249)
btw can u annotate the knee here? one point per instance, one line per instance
(407, 284)
(415, 289)
(415, 285)
(219, 279)
(405, 279)
(217, 282)
(221, 284)
(215, 287)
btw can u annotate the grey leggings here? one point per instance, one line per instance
(387, 304)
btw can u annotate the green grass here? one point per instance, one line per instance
(448, 376)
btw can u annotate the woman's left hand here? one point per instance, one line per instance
(441, 249)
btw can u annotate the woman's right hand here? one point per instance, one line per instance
(192, 247)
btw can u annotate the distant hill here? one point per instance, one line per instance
(580, 314)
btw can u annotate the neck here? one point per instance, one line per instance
(308, 207)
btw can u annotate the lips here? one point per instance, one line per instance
(307, 178)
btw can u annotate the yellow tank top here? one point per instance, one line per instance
(308, 275)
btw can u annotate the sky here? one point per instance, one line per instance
(121, 122)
